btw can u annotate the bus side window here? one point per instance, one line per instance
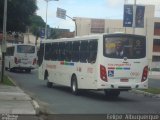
(10, 51)
(48, 51)
(84, 51)
(7, 51)
(54, 51)
(61, 51)
(92, 51)
(75, 52)
(68, 51)
(40, 54)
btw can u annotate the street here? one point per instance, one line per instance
(59, 100)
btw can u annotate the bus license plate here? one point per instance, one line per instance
(124, 80)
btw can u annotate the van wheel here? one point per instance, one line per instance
(74, 85)
(6, 68)
(28, 70)
(112, 93)
(10, 69)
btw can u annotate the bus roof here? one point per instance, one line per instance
(19, 44)
(71, 39)
(92, 36)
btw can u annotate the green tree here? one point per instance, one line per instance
(37, 23)
(18, 14)
(54, 33)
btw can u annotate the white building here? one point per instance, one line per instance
(151, 30)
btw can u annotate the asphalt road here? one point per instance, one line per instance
(59, 100)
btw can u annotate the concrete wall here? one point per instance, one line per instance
(30, 38)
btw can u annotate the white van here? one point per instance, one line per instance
(21, 57)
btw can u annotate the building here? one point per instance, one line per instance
(61, 33)
(12, 38)
(151, 30)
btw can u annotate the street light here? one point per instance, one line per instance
(46, 16)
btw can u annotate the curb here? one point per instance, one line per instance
(146, 93)
(33, 102)
(36, 106)
(12, 81)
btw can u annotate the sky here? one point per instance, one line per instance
(101, 9)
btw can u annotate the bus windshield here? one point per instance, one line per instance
(120, 46)
(25, 49)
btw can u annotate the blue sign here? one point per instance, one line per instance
(128, 16)
(42, 33)
(139, 20)
(110, 73)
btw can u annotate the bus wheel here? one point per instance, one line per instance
(28, 70)
(112, 93)
(49, 84)
(74, 85)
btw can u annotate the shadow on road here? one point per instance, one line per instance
(20, 71)
(91, 94)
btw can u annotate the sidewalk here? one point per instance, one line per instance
(154, 82)
(14, 101)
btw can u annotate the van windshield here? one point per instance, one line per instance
(120, 46)
(25, 49)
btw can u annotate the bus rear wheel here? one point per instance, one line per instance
(74, 85)
(28, 70)
(49, 84)
(112, 93)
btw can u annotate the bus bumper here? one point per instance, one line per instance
(125, 86)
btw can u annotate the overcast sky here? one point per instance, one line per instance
(105, 9)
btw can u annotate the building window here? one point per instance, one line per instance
(156, 45)
(97, 25)
(157, 28)
(155, 58)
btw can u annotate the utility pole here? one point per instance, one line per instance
(46, 20)
(74, 20)
(46, 17)
(4, 39)
(134, 16)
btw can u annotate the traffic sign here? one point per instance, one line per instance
(61, 13)
(42, 33)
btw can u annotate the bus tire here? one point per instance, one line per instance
(112, 93)
(49, 84)
(74, 85)
(46, 75)
(28, 70)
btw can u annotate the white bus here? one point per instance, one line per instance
(21, 57)
(92, 62)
